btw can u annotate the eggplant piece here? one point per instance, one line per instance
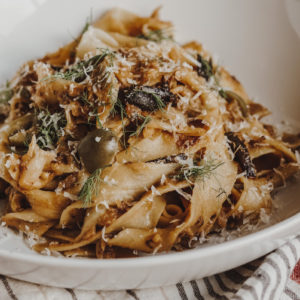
(241, 154)
(147, 98)
(97, 149)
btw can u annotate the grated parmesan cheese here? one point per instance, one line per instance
(154, 191)
(163, 179)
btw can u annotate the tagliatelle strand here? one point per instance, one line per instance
(125, 141)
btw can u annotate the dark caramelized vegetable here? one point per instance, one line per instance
(79, 72)
(97, 149)
(25, 94)
(171, 159)
(19, 135)
(206, 68)
(147, 98)
(241, 154)
(23, 122)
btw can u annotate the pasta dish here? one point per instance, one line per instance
(125, 142)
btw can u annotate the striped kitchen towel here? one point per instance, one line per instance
(268, 278)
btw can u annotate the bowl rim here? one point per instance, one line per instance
(280, 228)
(156, 260)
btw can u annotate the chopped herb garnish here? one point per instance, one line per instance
(85, 100)
(195, 172)
(223, 94)
(27, 141)
(98, 121)
(89, 21)
(103, 75)
(230, 96)
(91, 187)
(140, 128)
(49, 128)
(95, 115)
(123, 114)
(6, 94)
(118, 108)
(81, 70)
(93, 106)
(155, 35)
(206, 68)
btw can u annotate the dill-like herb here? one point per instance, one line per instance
(84, 99)
(96, 115)
(27, 141)
(6, 94)
(90, 188)
(122, 114)
(160, 104)
(86, 27)
(139, 130)
(118, 108)
(155, 35)
(195, 172)
(89, 21)
(223, 94)
(105, 71)
(98, 121)
(206, 68)
(80, 71)
(49, 128)
(229, 96)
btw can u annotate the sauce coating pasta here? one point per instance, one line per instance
(124, 141)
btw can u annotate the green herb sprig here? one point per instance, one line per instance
(6, 94)
(156, 35)
(118, 107)
(230, 96)
(91, 187)
(89, 21)
(206, 71)
(96, 115)
(81, 70)
(49, 128)
(206, 68)
(196, 172)
(140, 128)
(85, 100)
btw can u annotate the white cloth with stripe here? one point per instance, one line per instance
(264, 279)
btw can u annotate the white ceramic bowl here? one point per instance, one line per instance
(257, 40)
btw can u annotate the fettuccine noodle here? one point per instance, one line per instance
(124, 141)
